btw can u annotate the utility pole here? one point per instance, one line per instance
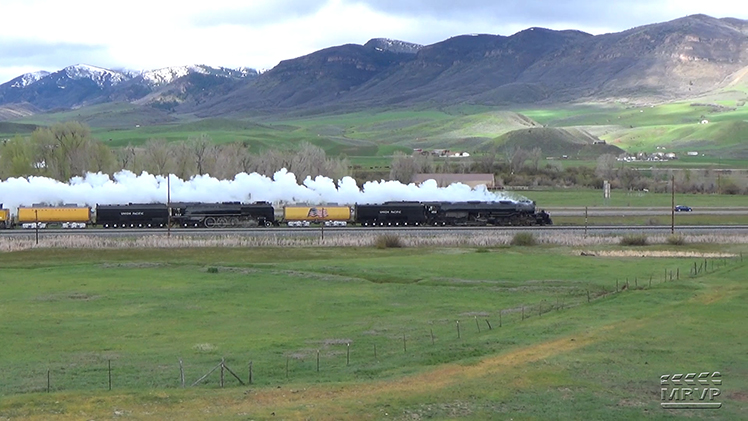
(672, 204)
(36, 225)
(168, 205)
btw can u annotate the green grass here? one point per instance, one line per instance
(380, 132)
(625, 198)
(72, 313)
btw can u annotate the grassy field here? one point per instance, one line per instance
(625, 198)
(562, 343)
(379, 132)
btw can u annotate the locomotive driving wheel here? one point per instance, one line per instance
(209, 222)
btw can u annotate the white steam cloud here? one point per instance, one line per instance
(126, 187)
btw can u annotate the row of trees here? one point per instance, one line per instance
(68, 149)
(520, 167)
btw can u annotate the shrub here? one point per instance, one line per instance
(388, 241)
(676, 240)
(212, 270)
(523, 239)
(634, 240)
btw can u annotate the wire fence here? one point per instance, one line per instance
(375, 352)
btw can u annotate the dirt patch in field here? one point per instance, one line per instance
(653, 253)
(738, 396)
(132, 265)
(73, 296)
(324, 397)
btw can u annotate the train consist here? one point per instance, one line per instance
(263, 214)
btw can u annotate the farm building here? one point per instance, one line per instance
(472, 180)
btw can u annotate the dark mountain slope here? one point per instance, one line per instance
(675, 59)
(314, 80)
(660, 62)
(467, 67)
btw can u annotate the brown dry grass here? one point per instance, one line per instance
(662, 253)
(9, 244)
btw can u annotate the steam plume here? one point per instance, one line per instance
(283, 188)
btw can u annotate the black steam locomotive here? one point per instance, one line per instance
(473, 213)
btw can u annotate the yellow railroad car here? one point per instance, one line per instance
(4, 218)
(316, 213)
(54, 214)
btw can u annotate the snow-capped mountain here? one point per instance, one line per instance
(166, 75)
(393, 45)
(83, 84)
(102, 77)
(27, 79)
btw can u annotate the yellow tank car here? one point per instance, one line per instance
(54, 214)
(4, 218)
(321, 213)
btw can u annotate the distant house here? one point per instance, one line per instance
(598, 142)
(472, 180)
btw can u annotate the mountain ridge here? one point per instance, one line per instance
(658, 62)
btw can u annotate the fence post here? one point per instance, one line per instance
(405, 348)
(110, 374)
(476, 323)
(181, 372)
(489, 325)
(432, 336)
(348, 354)
(222, 369)
(318, 361)
(286, 366)
(458, 329)
(500, 311)
(48, 381)
(250, 372)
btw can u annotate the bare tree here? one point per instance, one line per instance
(403, 167)
(234, 158)
(184, 163)
(518, 158)
(535, 156)
(309, 160)
(606, 166)
(126, 157)
(486, 163)
(203, 153)
(157, 156)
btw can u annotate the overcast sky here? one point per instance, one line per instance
(136, 34)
